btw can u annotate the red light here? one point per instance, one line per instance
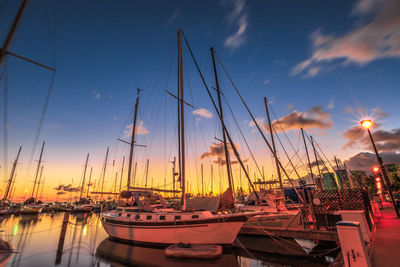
(378, 179)
(375, 169)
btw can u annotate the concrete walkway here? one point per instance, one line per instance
(386, 247)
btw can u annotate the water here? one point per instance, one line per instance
(35, 239)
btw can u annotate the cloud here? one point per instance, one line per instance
(140, 129)
(66, 188)
(385, 140)
(320, 163)
(331, 104)
(237, 16)
(315, 117)
(217, 151)
(173, 17)
(202, 112)
(365, 160)
(266, 81)
(365, 42)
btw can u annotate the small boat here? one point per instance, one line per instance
(82, 208)
(31, 209)
(194, 251)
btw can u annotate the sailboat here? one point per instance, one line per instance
(32, 205)
(163, 226)
(83, 204)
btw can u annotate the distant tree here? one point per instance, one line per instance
(396, 182)
(369, 183)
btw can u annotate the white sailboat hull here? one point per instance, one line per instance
(205, 231)
(31, 210)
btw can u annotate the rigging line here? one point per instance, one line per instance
(241, 133)
(261, 132)
(287, 155)
(5, 119)
(42, 116)
(237, 155)
(284, 132)
(315, 142)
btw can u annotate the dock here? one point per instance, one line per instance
(386, 246)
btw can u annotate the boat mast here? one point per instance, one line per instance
(88, 185)
(10, 181)
(122, 173)
(278, 170)
(182, 121)
(38, 168)
(132, 140)
(147, 173)
(39, 182)
(84, 176)
(104, 173)
(41, 191)
(173, 176)
(316, 160)
(308, 156)
(227, 159)
(11, 33)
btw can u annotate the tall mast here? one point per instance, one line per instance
(182, 121)
(202, 180)
(134, 174)
(122, 173)
(10, 181)
(88, 185)
(212, 180)
(41, 191)
(316, 160)
(278, 170)
(308, 156)
(104, 173)
(39, 182)
(84, 176)
(132, 141)
(227, 159)
(38, 168)
(147, 173)
(11, 33)
(173, 176)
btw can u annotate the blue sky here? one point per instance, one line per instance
(105, 49)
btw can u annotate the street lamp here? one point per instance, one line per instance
(367, 124)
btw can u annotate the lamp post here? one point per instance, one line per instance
(367, 124)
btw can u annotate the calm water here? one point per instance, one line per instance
(35, 240)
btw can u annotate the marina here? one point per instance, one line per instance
(205, 164)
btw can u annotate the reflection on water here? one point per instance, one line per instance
(35, 239)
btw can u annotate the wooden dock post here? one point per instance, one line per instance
(62, 238)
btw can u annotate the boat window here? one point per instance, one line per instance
(137, 216)
(195, 216)
(162, 217)
(148, 217)
(120, 214)
(129, 215)
(178, 217)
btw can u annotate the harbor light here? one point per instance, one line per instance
(385, 177)
(375, 169)
(366, 123)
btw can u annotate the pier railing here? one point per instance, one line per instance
(327, 204)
